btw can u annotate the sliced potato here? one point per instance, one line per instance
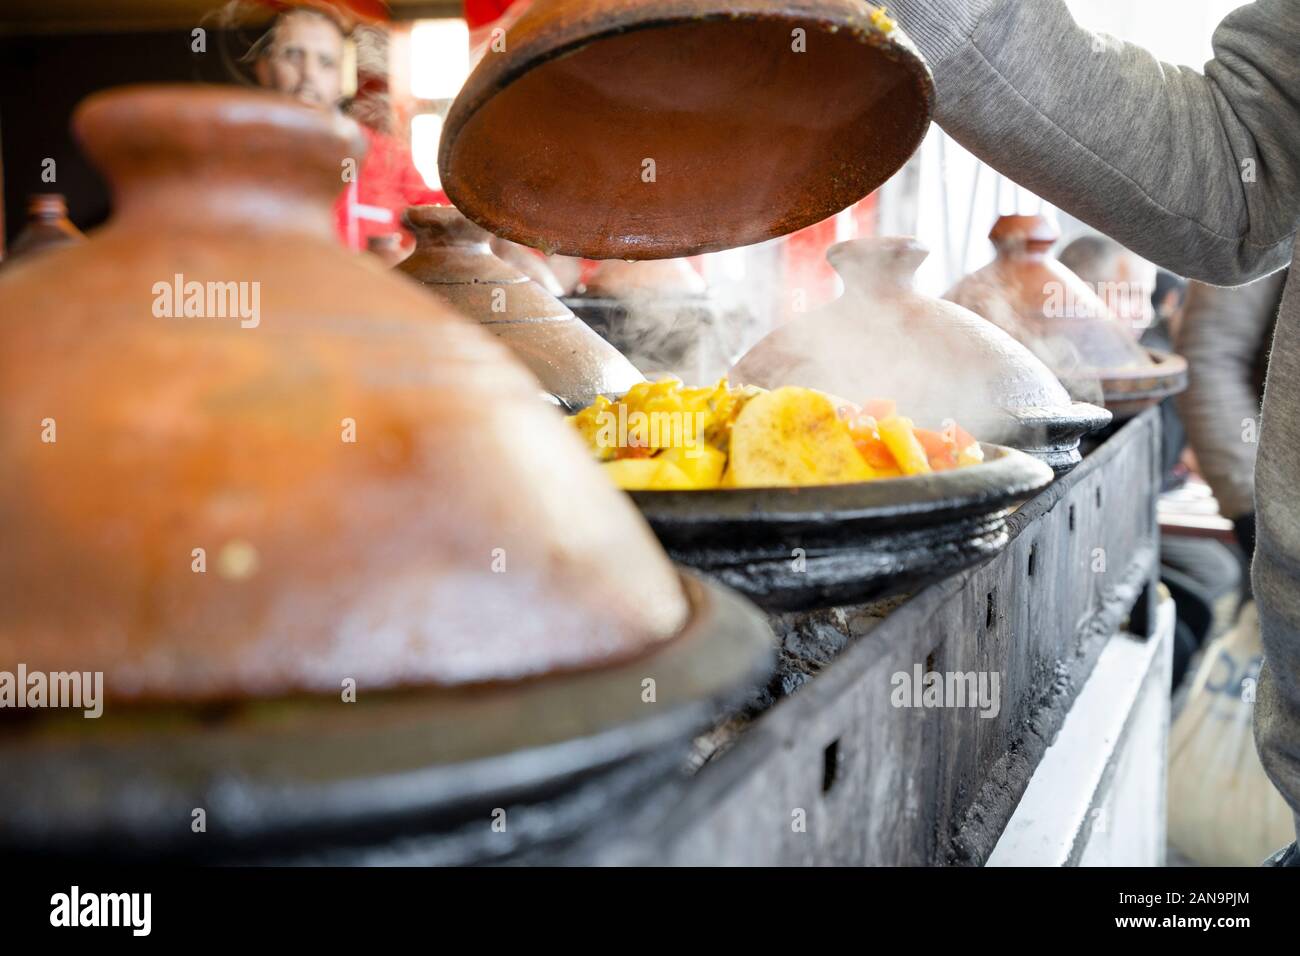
(631, 474)
(793, 436)
(702, 465)
(647, 474)
(670, 478)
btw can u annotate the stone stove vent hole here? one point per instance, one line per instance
(830, 765)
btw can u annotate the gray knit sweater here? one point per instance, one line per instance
(1199, 172)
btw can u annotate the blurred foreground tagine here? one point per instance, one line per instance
(345, 471)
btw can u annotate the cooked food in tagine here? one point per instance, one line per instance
(663, 436)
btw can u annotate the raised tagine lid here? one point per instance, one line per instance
(650, 129)
(453, 258)
(883, 339)
(1027, 292)
(657, 278)
(48, 226)
(359, 486)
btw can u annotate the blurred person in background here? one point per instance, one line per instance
(304, 55)
(1123, 279)
(1225, 335)
(1145, 297)
(1167, 301)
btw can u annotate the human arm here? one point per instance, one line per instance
(1197, 172)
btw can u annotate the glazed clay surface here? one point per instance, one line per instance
(347, 481)
(1028, 293)
(454, 261)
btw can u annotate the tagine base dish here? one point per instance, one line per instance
(1126, 392)
(306, 772)
(1055, 435)
(794, 549)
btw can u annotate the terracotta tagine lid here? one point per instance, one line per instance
(529, 263)
(649, 129)
(883, 339)
(387, 248)
(340, 479)
(666, 278)
(1028, 293)
(48, 226)
(454, 260)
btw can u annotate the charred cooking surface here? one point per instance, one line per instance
(306, 775)
(886, 784)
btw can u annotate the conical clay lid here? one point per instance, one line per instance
(240, 461)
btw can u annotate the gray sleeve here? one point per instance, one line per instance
(1222, 334)
(1197, 172)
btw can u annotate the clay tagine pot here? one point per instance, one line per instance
(242, 461)
(48, 227)
(661, 278)
(1029, 294)
(529, 263)
(882, 339)
(650, 129)
(388, 248)
(660, 314)
(454, 260)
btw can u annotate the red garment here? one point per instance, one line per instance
(386, 184)
(480, 12)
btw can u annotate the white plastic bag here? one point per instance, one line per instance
(1223, 811)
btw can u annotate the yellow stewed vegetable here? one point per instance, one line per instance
(702, 465)
(793, 436)
(647, 474)
(662, 436)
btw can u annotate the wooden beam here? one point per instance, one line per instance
(34, 17)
